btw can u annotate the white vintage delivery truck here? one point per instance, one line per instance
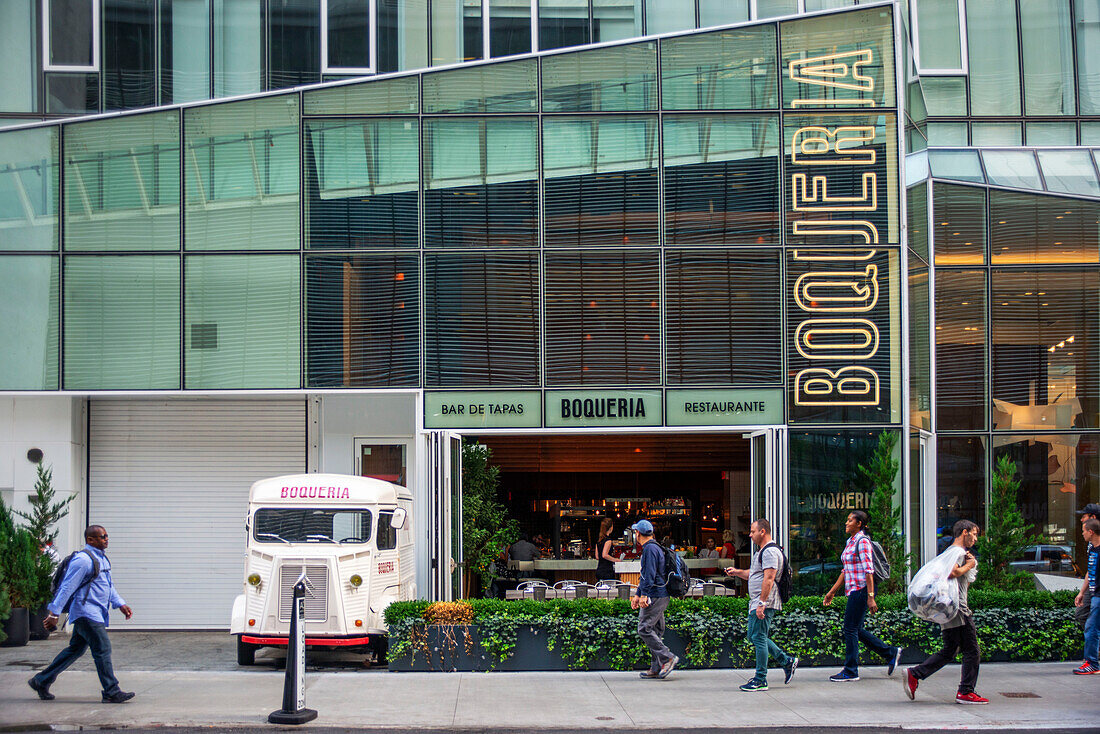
(352, 536)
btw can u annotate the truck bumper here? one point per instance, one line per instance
(272, 641)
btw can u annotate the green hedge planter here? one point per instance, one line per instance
(599, 634)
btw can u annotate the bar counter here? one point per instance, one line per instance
(584, 569)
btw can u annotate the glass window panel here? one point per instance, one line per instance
(29, 319)
(721, 12)
(563, 23)
(507, 87)
(721, 179)
(18, 36)
(861, 42)
(994, 60)
(1016, 168)
(723, 317)
(1069, 171)
(960, 350)
(1044, 349)
(402, 35)
(238, 44)
(509, 27)
(916, 213)
(184, 50)
(960, 165)
(456, 31)
(384, 97)
(362, 183)
(602, 318)
(123, 183)
(960, 484)
(620, 78)
(615, 20)
(944, 95)
(947, 134)
(122, 322)
(812, 5)
(71, 29)
(1046, 35)
(1090, 133)
(920, 357)
(825, 485)
(601, 180)
(129, 61)
(666, 16)
(1087, 22)
(1051, 133)
(481, 181)
(995, 134)
(241, 168)
(937, 24)
(1059, 474)
(242, 322)
(72, 94)
(959, 224)
(730, 70)
(293, 43)
(349, 34)
(362, 325)
(1032, 229)
(481, 319)
(775, 8)
(29, 189)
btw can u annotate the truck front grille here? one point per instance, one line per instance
(316, 603)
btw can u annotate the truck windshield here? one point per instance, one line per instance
(310, 525)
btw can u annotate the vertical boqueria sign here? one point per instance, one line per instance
(841, 212)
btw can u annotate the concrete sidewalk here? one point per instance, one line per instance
(1022, 696)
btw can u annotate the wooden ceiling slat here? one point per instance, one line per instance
(618, 452)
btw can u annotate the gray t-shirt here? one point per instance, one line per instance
(768, 558)
(964, 610)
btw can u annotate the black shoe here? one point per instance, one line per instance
(893, 662)
(120, 697)
(788, 670)
(42, 691)
(649, 674)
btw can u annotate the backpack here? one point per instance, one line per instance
(63, 568)
(878, 559)
(783, 576)
(678, 580)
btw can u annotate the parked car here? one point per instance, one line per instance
(1046, 559)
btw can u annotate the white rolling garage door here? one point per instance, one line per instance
(169, 479)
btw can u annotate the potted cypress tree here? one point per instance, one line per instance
(18, 557)
(5, 607)
(46, 512)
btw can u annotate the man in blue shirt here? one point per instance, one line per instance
(93, 596)
(651, 601)
(1091, 532)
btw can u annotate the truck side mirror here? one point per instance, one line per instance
(397, 521)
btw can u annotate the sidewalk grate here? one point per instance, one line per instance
(1020, 694)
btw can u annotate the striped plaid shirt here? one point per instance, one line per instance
(857, 562)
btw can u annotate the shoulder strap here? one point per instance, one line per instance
(87, 582)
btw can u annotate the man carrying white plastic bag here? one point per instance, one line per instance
(938, 594)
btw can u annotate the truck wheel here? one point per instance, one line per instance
(381, 650)
(246, 653)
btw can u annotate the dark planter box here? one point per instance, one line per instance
(38, 629)
(17, 627)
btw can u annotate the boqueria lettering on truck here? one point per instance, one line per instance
(315, 493)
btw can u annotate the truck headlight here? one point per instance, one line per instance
(356, 580)
(254, 579)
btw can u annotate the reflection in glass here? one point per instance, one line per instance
(348, 34)
(402, 35)
(29, 189)
(72, 93)
(721, 12)
(916, 213)
(617, 79)
(384, 97)
(361, 183)
(505, 87)
(1029, 228)
(721, 179)
(724, 70)
(456, 32)
(945, 95)
(563, 23)
(1069, 171)
(993, 55)
(1044, 346)
(920, 357)
(601, 180)
(775, 8)
(1088, 62)
(362, 325)
(509, 27)
(960, 165)
(666, 16)
(19, 39)
(959, 224)
(129, 64)
(615, 20)
(947, 134)
(1047, 43)
(961, 375)
(184, 51)
(960, 484)
(238, 44)
(29, 321)
(481, 182)
(122, 322)
(71, 31)
(293, 43)
(602, 318)
(995, 133)
(722, 317)
(937, 22)
(242, 322)
(1016, 168)
(1051, 133)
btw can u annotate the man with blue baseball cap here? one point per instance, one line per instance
(651, 601)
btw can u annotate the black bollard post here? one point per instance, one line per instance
(294, 709)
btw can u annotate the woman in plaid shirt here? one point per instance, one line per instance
(857, 575)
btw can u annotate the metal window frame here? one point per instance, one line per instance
(372, 37)
(964, 55)
(96, 32)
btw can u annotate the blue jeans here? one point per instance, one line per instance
(86, 634)
(758, 636)
(852, 631)
(1092, 632)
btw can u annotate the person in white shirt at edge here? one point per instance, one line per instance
(764, 602)
(93, 596)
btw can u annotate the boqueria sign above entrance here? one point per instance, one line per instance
(602, 408)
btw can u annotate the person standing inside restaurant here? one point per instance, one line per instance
(605, 561)
(959, 632)
(1091, 532)
(710, 551)
(1091, 511)
(858, 578)
(87, 583)
(764, 602)
(651, 601)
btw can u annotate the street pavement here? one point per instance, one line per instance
(190, 679)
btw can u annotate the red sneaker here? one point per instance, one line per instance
(910, 682)
(971, 698)
(1087, 668)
